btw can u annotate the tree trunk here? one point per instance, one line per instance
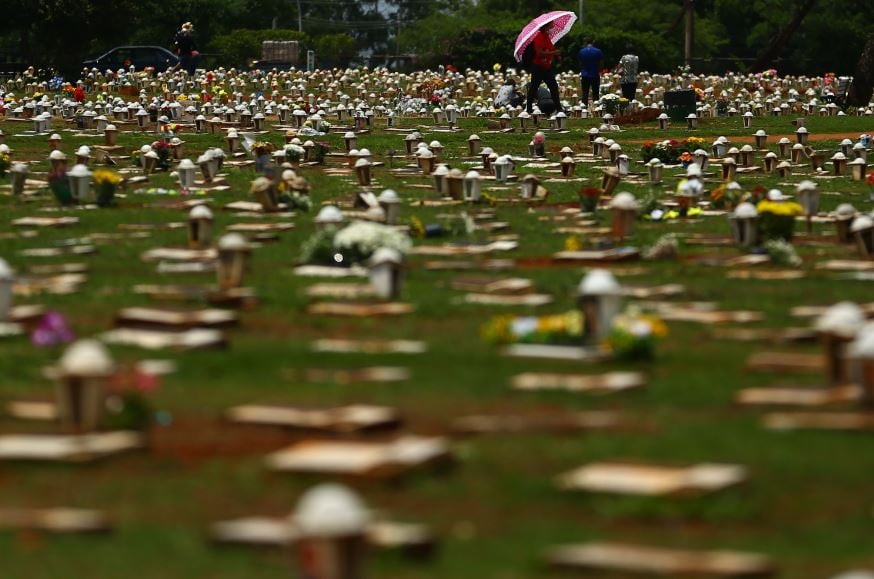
(863, 82)
(784, 37)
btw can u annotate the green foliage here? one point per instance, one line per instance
(334, 49)
(729, 34)
(461, 41)
(240, 47)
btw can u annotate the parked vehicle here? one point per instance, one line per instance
(138, 56)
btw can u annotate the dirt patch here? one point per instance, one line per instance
(192, 440)
(540, 262)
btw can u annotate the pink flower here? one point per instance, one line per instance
(145, 382)
(52, 330)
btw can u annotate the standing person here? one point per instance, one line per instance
(627, 69)
(186, 49)
(590, 59)
(543, 51)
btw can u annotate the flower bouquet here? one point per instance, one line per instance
(105, 182)
(565, 328)
(5, 163)
(319, 151)
(782, 253)
(724, 197)
(589, 197)
(358, 241)
(353, 244)
(668, 152)
(634, 335)
(294, 154)
(685, 159)
(127, 405)
(60, 186)
(295, 199)
(777, 219)
(169, 130)
(162, 148)
(613, 104)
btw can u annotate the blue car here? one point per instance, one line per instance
(139, 56)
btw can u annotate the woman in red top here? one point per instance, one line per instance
(541, 68)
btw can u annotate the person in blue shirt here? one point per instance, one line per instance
(590, 59)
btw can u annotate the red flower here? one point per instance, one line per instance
(870, 179)
(79, 94)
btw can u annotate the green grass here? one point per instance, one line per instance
(808, 503)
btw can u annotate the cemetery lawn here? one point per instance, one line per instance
(808, 503)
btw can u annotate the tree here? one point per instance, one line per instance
(240, 47)
(863, 81)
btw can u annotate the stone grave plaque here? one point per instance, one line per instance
(68, 448)
(595, 383)
(57, 520)
(344, 346)
(351, 419)
(652, 480)
(637, 559)
(362, 459)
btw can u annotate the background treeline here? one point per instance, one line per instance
(729, 34)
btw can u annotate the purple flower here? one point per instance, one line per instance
(52, 330)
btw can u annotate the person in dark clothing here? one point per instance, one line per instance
(541, 68)
(544, 101)
(590, 74)
(186, 49)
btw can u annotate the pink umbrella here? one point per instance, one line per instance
(562, 22)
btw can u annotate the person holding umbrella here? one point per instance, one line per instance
(535, 48)
(541, 68)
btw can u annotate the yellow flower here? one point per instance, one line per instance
(784, 208)
(417, 228)
(574, 322)
(657, 327)
(498, 330)
(496, 67)
(549, 324)
(106, 177)
(572, 243)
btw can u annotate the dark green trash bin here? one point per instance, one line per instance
(679, 104)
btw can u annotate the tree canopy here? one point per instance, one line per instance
(729, 34)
